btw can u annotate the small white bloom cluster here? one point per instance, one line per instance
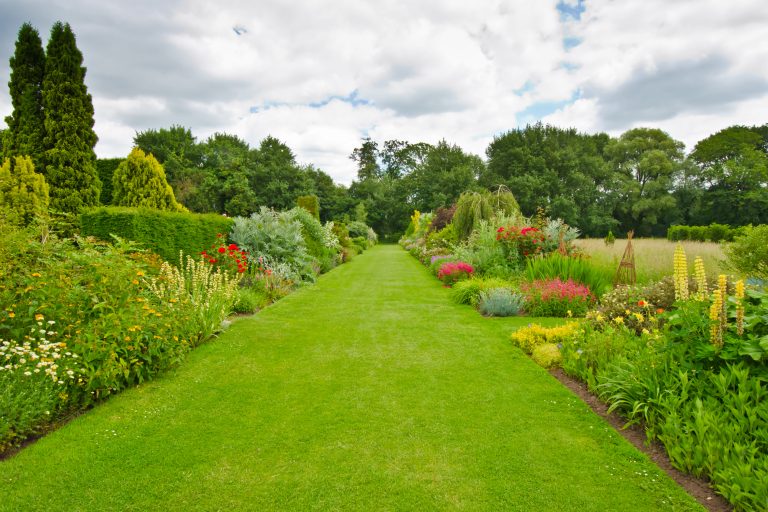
(39, 355)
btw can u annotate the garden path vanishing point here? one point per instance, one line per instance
(367, 391)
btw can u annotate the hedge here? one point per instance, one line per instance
(165, 233)
(711, 233)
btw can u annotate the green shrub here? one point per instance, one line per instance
(164, 233)
(445, 238)
(23, 192)
(748, 253)
(677, 233)
(577, 269)
(357, 229)
(360, 243)
(718, 232)
(547, 355)
(278, 240)
(249, 300)
(316, 237)
(500, 302)
(610, 239)
(139, 181)
(468, 291)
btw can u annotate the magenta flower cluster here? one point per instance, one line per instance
(454, 271)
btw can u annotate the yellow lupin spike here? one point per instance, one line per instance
(680, 276)
(715, 317)
(701, 279)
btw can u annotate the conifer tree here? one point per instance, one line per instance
(140, 181)
(23, 192)
(70, 162)
(26, 122)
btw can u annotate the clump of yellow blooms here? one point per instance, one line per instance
(680, 273)
(716, 320)
(528, 338)
(701, 279)
(740, 307)
(415, 220)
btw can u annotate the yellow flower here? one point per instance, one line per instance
(39, 317)
(11, 314)
(619, 320)
(35, 274)
(640, 318)
(135, 281)
(599, 317)
(139, 273)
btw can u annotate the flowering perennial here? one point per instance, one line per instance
(680, 273)
(527, 241)
(455, 271)
(229, 257)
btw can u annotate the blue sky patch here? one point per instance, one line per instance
(538, 110)
(569, 11)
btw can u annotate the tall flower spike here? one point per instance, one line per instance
(680, 273)
(716, 325)
(701, 279)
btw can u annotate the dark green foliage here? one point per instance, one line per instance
(647, 162)
(139, 181)
(309, 203)
(446, 172)
(277, 179)
(165, 233)
(26, 126)
(182, 158)
(558, 169)
(712, 233)
(70, 162)
(106, 169)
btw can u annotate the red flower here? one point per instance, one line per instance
(212, 260)
(203, 253)
(232, 247)
(660, 311)
(222, 250)
(500, 229)
(642, 303)
(219, 235)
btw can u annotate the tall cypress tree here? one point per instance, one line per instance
(26, 123)
(70, 162)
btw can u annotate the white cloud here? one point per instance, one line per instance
(421, 71)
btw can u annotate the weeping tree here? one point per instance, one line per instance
(473, 207)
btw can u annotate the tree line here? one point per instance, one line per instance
(641, 180)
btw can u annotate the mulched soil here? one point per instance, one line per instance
(696, 487)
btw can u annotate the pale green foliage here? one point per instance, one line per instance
(23, 192)
(278, 239)
(139, 181)
(469, 290)
(474, 207)
(500, 302)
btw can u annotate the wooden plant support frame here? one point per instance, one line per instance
(626, 272)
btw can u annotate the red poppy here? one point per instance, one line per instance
(642, 303)
(232, 247)
(500, 230)
(222, 250)
(212, 260)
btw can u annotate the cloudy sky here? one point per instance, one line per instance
(320, 75)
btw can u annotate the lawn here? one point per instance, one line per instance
(367, 391)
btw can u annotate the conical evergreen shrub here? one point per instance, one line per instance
(70, 162)
(23, 192)
(139, 181)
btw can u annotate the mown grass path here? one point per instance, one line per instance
(367, 391)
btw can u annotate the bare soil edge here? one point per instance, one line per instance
(696, 487)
